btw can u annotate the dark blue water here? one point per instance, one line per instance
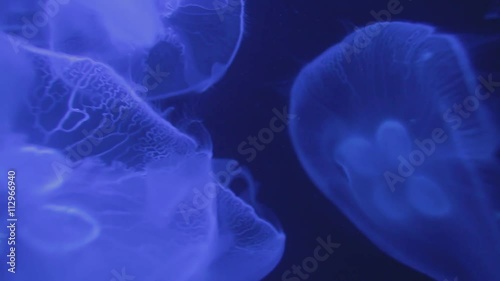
(281, 37)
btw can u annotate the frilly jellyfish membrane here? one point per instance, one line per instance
(392, 134)
(103, 176)
(103, 218)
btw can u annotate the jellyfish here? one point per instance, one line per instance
(162, 48)
(108, 221)
(109, 190)
(391, 126)
(86, 109)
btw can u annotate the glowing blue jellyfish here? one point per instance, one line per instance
(86, 109)
(391, 126)
(162, 47)
(111, 191)
(105, 219)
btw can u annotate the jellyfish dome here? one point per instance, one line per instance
(162, 48)
(390, 125)
(110, 190)
(170, 222)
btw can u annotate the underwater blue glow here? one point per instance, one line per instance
(109, 187)
(103, 218)
(391, 126)
(85, 108)
(161, 47)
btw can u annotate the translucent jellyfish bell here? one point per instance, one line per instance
(85, 108)
(164, 48)
(390, 123)
(134, 198)
(104, 221)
